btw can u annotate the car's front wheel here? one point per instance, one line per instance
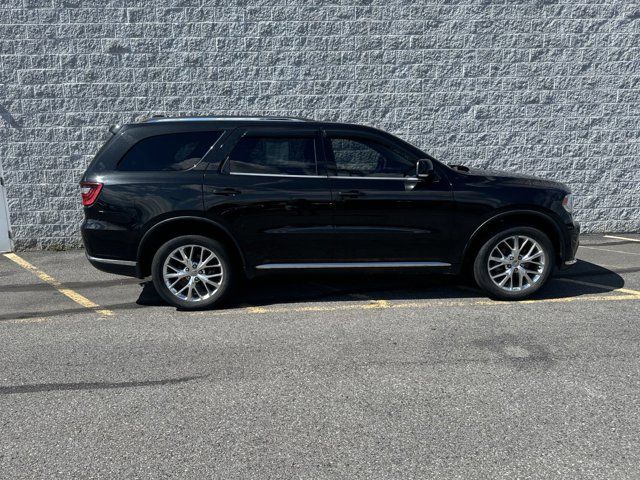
(192, 272)
(514, 263)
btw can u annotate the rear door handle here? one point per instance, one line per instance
(226, 191)
(351, 194)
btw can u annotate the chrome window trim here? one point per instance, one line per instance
(128, 263)
(276, 175)
(413, 179)
(278, 266)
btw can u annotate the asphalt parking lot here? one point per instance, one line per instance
(339, 376)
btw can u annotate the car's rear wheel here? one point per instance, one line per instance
(192, 272)
(514, 263)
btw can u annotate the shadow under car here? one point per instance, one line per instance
(310, 286)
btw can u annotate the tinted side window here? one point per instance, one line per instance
(356, 157)
(274, 155)
(175, 151)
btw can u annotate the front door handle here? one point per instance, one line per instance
(351, 194)
(226, 191)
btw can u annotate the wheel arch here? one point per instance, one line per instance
(170, 228)
(514, 218)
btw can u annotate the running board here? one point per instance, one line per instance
(285, 266)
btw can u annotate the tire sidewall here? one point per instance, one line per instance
(481, 273)
(158, 264)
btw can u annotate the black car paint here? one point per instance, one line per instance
(308, 219)
(485, 195)
(273, 218)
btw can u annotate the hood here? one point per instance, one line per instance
(511, 177)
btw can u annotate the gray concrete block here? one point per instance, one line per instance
(543, 88)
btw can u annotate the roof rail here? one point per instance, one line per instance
(162, 118)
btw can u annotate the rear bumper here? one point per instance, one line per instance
(118, 267)
(103, 241)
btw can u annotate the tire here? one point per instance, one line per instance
(177, 282)
(489, 273)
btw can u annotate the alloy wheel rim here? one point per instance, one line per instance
(516, 263)
(192, 273)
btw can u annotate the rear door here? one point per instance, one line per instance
(383, 212)
(272, 193)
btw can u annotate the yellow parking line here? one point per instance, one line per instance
(586, 298)
(371, 302)
(45, 277)
(256, 310)
(629, 295)
(623, 238)
(609, 250)
(378, 304)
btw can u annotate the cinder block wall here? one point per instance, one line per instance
(544, 87)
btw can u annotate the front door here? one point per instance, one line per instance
(383, 213)
(272, 193)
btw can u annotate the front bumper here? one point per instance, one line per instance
(571, 245)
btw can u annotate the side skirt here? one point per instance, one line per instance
(329, 265)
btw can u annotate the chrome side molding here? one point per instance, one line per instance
(128, 263)
(283, 266)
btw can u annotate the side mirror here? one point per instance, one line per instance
(424, 169)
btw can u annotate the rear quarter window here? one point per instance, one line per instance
(169, 152)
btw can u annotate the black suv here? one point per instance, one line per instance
(199, 202)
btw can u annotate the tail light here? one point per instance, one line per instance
(90, 192)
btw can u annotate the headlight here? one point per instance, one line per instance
(567, 203)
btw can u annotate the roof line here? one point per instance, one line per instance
(159, 118)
